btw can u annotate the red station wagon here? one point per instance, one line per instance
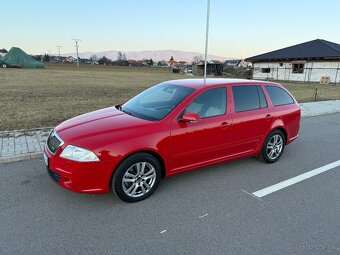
(171, 128)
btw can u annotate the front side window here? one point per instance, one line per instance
(279, 96)
(156, 102)
(209, 104)
(247, 98)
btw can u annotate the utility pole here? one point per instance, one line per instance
(59, 52)
(206, 41)
(49, 55)
(77, 46)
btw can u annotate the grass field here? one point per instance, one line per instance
(40, 98)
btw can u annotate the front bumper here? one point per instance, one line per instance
(84, 177)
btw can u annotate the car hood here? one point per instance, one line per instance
(97, 123)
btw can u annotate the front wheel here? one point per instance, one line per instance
(4, 66)
(273, 147)
(136, 178)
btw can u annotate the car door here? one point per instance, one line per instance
(208, 138)
(252, 118)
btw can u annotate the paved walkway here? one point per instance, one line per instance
(320, 108)
(20, 144)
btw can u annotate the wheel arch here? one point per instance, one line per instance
(284, 132)
(158, 157)
(150, 152)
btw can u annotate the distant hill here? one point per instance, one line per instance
(156, 55)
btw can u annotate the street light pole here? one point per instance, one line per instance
(206, 41)
(77, 46)
(59, 52)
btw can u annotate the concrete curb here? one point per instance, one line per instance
(15, 158)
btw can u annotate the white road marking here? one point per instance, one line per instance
(163, 231)
(251, 194)
(202, 216)
(281, 185)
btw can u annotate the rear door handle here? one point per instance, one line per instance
(269, 116)
(225, 124)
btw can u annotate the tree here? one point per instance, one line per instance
(149, 62)
(3, 51)
(196, 59)
(121, 60)
(94, 57)
(119, 55)
(104, 61)
(47, 58)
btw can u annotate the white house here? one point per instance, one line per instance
(307, 62)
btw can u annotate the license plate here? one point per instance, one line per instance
(45, 159)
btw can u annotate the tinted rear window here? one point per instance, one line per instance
(247, 98)
(278, 96)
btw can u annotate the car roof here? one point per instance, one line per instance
(198, 83)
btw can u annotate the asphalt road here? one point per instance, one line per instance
(200, 212)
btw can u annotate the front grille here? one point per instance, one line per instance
(55, 176)
(54, 142)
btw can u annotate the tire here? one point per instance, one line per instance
(136, 178)
(4, 66)
(273, 147)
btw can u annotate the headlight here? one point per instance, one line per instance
(78, 154)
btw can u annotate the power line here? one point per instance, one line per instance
(77, 46)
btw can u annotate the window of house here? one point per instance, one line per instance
(298, 68)
(278, 96)
(265, 70)
(281, 64)
(210, 103)
(248, 98)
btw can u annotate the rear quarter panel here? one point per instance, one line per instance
(287, 116)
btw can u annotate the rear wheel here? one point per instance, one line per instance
(136, 178)
(273, 147)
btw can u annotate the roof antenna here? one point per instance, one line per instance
(206, 41)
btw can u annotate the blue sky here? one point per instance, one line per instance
(237, 28)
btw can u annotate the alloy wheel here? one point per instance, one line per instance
(139, 179)
(274, 147)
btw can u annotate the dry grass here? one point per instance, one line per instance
(40, 98)
(305, 92)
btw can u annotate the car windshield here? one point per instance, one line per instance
(156, 102)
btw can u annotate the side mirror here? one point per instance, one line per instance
(190, 117)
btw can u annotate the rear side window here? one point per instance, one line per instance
(248, 98)
(278, 96)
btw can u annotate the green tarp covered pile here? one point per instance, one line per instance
(17, 57)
